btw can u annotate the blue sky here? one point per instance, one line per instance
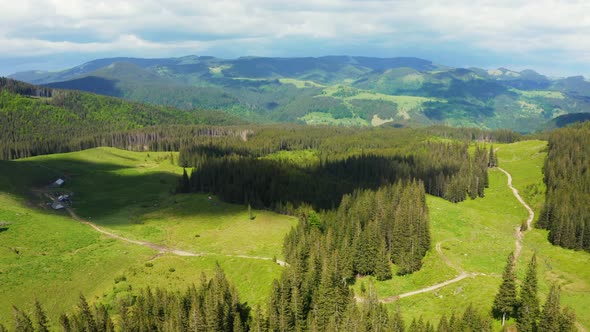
(552, 37)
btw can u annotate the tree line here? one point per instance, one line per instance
(447, 170)
(566, 212)
(40, 120)
(215, 305)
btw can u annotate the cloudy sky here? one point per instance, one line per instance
(550, 36)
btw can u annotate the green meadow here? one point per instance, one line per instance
(46, 254)
(477, 235)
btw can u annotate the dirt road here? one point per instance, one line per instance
(159, 248)
(519, 234)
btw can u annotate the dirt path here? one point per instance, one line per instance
(462, 275)
(159, 248)
(519, 234)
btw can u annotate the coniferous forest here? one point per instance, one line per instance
(566, 213)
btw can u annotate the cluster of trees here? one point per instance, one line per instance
(214, 305)
(566, 213)
(367, 231)
(524, 305)
(447, 170)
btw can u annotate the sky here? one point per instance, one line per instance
(552, 37)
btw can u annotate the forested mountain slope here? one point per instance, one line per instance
(339, 90)
(37, 120)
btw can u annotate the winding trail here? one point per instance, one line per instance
(519, 234)
(159, 248)
(462, 275)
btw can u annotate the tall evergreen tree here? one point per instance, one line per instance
(41, 321)
(506, 301)
(443, 324)
(568, 320)
(22, 321)
(528, 308)
(551, 317)
(87, 321)
(64, 321)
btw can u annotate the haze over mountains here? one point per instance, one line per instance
(339, 90)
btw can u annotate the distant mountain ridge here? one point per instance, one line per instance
(340, 90)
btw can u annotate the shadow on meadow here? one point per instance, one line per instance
(98, 189)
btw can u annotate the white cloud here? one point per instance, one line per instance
(500, 26)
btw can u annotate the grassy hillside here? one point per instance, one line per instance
(48, 255)
(477, 235)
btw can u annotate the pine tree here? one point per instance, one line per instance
(22, 321)
(528, 309)
(86, 317)
(492, 160)
(64, 321)
(454, 323)
(259, 323)
(41, 321)
(505, 301)
(551, 317)
(443, 324)
(567, 321)
(382, 268)
(396, 322)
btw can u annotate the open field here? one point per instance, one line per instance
(49, 255)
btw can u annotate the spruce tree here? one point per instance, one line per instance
(86, 317)
(396, 322)
(505, 301)
(382, 268)
(528, 309)
(454, 323)
(22, 321)
(443, 324)
(567, 321)
(41, 321)
(551, 316)
(64, 321)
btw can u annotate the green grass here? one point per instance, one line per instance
(128, 193)
(568, 268)
(300, 84)
(318, 118)
(540, 94)
(477, 235)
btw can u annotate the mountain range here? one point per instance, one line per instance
(338, 90)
